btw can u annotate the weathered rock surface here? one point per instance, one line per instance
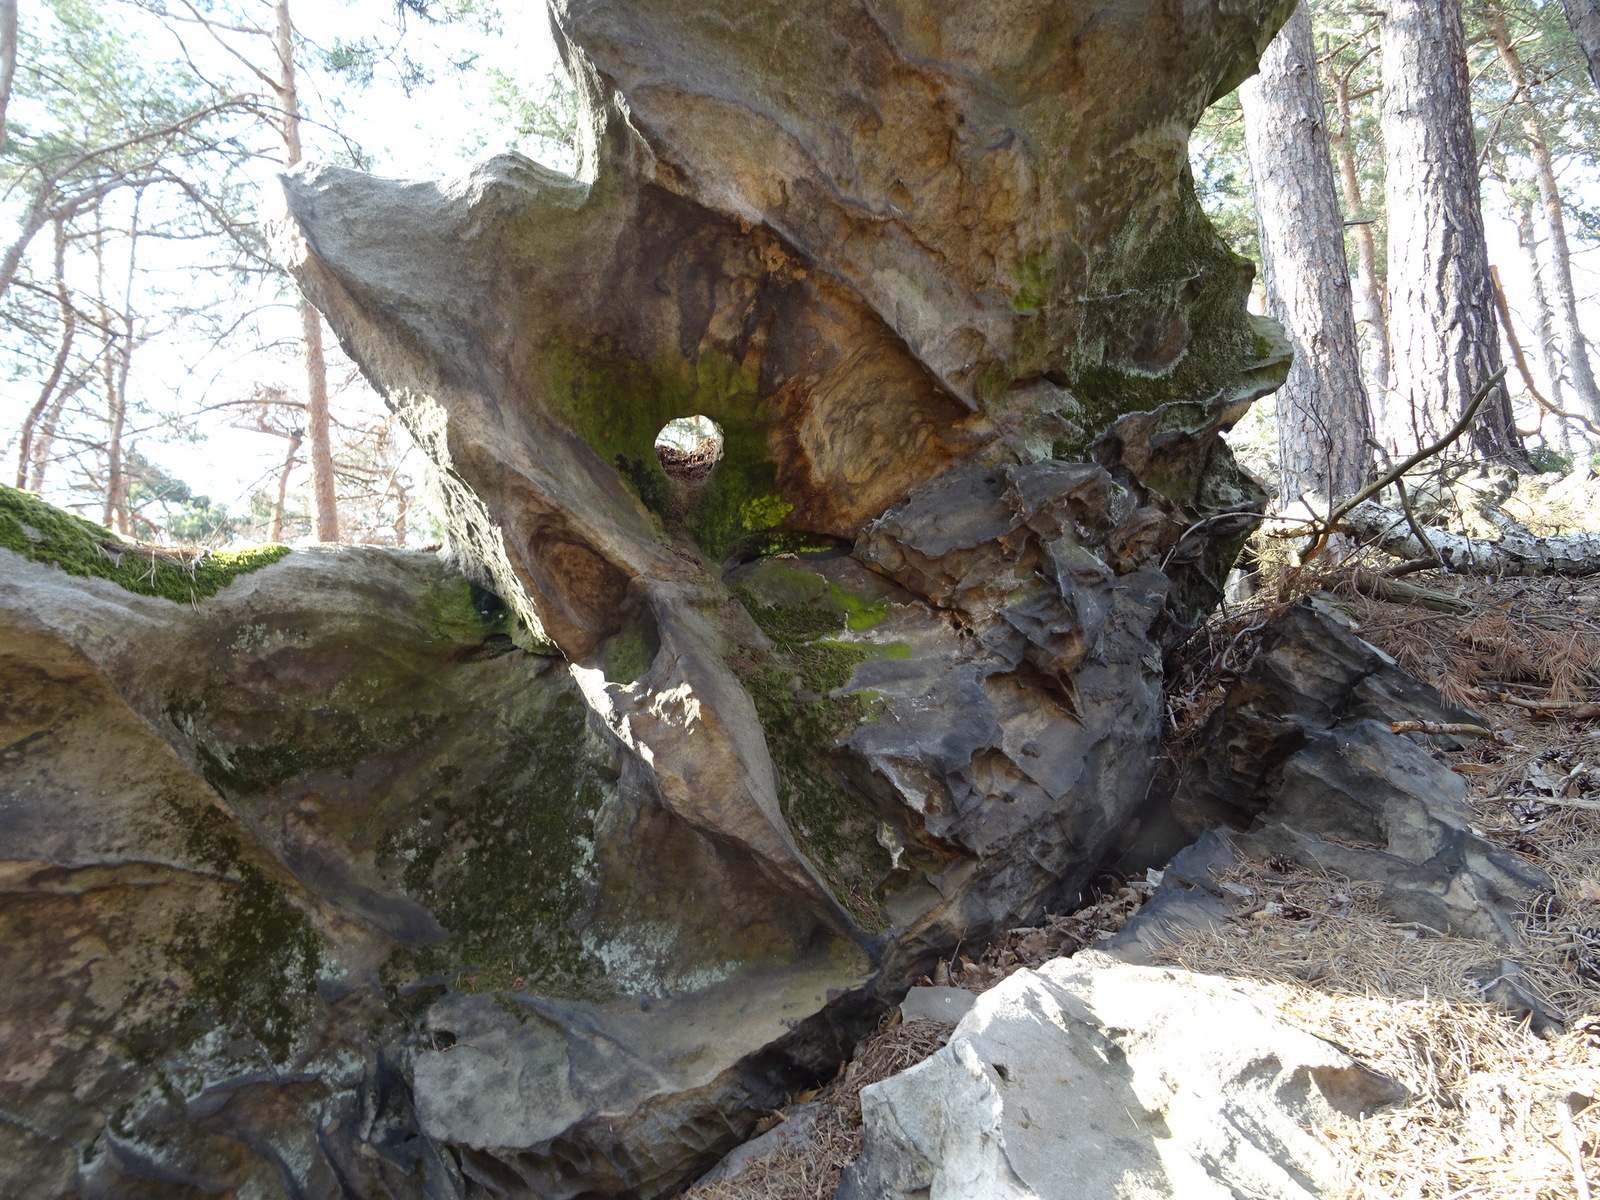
(888, 677)
(250, 844)
(1304, 764)
(1093, 1078)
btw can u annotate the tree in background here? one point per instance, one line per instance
(1537, 118)
(1350, 65)
(260, 37)
(1584, 18)
(325, 501)
(242, 65)
(1323, 417)
(1544, 174)
(111, 156)
(1444, 344)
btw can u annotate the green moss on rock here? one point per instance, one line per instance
(620, 404)
(43, 533)
(1190, 275)
(506, 865)
(253, 960)
(804, 722)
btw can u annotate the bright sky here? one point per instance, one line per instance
(437, 130)
(434, 131)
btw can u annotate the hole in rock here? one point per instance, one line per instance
(689, 448)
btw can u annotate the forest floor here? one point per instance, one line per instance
(1498, 1112)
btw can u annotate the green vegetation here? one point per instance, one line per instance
(619, 404)
(1201, 278)
(504, 865)
(628, 653)
(254, 965)
(777, 588)
(804, 723)
(43, 533)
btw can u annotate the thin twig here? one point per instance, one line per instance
(1574, 1149)
(1320, 539)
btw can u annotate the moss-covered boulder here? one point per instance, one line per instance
(273, 857)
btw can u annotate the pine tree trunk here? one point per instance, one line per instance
(324, 500)
(48, 393)
(44, 442)
(1323, 417)
(1367, 291)
(275, 534)
(8, 58)
(1509, 328)
(1544, 320)
(113, 512)
(1584, 18)
(1566, 306)
(1443, 340)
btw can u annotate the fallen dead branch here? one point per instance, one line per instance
(1326, 529)
(1387, 587)
(1441, 728)
(1573, 710)
(1518, 552)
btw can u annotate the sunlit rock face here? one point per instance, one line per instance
(776, 723)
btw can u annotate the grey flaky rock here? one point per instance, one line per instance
(1092, 1078)
(794, 1132)
(1303, 763)
(948, 1004)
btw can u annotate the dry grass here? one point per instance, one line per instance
(1497, 1113)
(1492, 1104)
(1534, 638)
(1304, 927)
(810, 1170)
(1571, 506)
(1488, 1095)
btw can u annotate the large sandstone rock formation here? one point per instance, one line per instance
(355, 903)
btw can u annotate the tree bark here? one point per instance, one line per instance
(114, 510)
(1566, 306)
(1517, 553)
(275, 534)
(1323, 415)
(1544, 319)
(1443, 340)
(45, 440)
(324, 499)
(1509, 328)
(1367, 292)
(47, 392)
(8, 59)
(1584, 18)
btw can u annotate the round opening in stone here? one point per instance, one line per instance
(689, 448)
